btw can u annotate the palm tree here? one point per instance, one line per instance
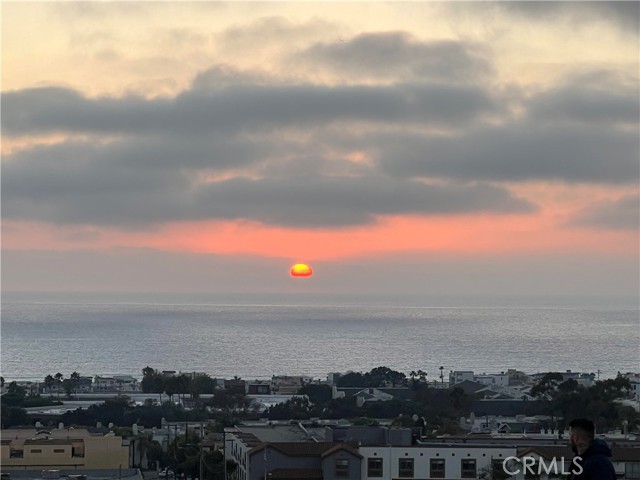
(58, 377)
(413, 376)
(75, 381)
(49, 381)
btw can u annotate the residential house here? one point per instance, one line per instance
(258, 387)
(235, 385)
(292, 460)
(286, 385)
(501, 379)
(459, 376)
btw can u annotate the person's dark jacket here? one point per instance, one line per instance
(596, 463)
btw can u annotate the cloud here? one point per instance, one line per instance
(269, 31)
(97, 192)
(42, 110)
(623, 14)
(620, 214)
(243, 145)
(327, 201)
(521, 151)
(390, 55)
(587, 104)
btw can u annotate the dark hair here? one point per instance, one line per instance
(583, 425)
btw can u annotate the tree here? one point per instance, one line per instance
(569, 386)
(547, 385)
(317, 394)
(67, 384)
(417, 377)
(15, 395)
(201, 384)
(13, 416)
(295, 409)
(384, 376)
(152, 382)
(75, 381)
(58, 378)
(229, 401)
(353, 379)
(598, 403)
(49, 382)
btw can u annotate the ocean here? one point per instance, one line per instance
(260, 340)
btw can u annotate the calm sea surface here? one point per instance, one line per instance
(258, 341)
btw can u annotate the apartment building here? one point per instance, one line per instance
(116, 383)
(374, 453)
(90, 448)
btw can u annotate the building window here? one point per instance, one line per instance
(58, 450)
(374, 467)
(497, 466)
(437, 468)
(468, 468)
(16, 453)
(632, 470)
(77, 452)
(342, 467)
(405, 468)
(36, 450)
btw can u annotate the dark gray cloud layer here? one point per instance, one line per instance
(393, 54)
(517, 152)
(289, 145)
(580, 104)
(101, 196)
(624, 14)
(43, 110)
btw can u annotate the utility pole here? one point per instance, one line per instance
(224, 453)
(265, 461)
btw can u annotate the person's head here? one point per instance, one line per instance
(581, 434)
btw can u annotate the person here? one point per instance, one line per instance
(593, 455)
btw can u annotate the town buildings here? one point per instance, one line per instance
(68, 448)
(371, 453)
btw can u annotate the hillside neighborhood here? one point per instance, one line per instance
(378, 424)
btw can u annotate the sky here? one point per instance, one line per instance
(401, 148)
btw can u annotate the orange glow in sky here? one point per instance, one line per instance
(269, 134)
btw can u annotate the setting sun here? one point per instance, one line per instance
(301, 270)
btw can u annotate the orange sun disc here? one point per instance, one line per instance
(301, 270)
